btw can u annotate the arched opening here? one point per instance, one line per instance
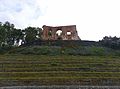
(59, 32)
(69, 33)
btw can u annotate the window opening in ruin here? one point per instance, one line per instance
(50, 33)
(59, 32)
(69, 33)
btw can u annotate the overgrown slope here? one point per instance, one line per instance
(59, 70)
(65, 50)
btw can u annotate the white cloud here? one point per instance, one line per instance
(20, 12)
(94, 18)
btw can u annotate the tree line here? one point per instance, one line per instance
(11, 36)
(111, 42)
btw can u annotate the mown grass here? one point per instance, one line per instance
(59, 70)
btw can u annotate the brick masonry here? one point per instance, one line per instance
(60, 32)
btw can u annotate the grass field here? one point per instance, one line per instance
(59, 70)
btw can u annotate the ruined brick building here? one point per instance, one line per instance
(60, 33)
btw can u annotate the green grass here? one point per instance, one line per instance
(59, 70)
(65, 50)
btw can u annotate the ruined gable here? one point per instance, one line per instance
(60, 33)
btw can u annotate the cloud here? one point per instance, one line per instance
(21, 12)
(94, 18)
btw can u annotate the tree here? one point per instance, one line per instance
(9, 29)
(11, 36)
(2, 34)
(39, 33)
(111, 42)
(17, 36)
(30, 34)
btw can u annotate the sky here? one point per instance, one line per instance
(94, 18)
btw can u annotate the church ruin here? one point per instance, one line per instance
(60, 33)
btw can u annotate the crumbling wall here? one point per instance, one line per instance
(60, 33)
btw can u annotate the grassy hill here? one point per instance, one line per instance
(19, 69)
(65, 50)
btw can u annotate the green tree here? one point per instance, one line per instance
(17, 36)
(39, 33)
(2, 34)
(11, 35)
(30, 34)
(9, 29)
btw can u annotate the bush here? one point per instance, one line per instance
(57, 50)
(37, 50)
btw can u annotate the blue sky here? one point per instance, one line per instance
(94, 18)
